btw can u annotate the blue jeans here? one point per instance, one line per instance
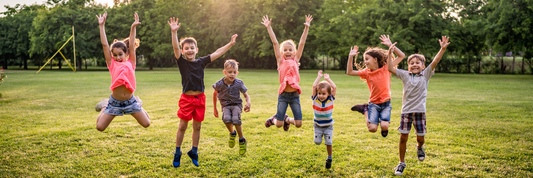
(379, 112)
(118, 107)
(284, 100)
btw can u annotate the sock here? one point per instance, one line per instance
(330, 157)
(290, 120)
(178, 150)
(242, 139)
(234, 132)
(194, 150)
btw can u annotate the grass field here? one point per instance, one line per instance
(478, 126)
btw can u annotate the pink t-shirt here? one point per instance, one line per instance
(288, 73)
(122, 73)
(378, 82)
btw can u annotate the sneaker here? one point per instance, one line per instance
(139, 101)
(360, 108)
(101, 105)
(328, 163)
(285, 124)
(384, 133)
(194, 157)
(231, 141)
(270, 121)
(398, 170)
(421, 154)
(242, 147)
(176, 161)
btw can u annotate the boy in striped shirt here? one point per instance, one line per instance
(323, 97)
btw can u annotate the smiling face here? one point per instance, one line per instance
(119, 54)
(231, 74)
(288, 51)
(415, 65)
(189, 50)
(322, 94)
(371, 62)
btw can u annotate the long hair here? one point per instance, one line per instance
(124, 44)
(285, 42)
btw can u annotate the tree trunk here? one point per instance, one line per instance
(150, 64)
(5, 63)
(25, 59)
(78, 63)
(512, 67)
(85, 64)
(59, 64)
(523, 63)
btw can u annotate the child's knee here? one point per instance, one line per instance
(100, 128)
(298, 125)
(404, 138)
(146, 124)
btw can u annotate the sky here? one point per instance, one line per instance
(12, 3)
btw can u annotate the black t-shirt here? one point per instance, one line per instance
(192, 73)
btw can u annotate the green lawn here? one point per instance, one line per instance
(478, 126)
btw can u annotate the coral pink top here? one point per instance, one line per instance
(122, 73)
(288, 73)
(379, 84)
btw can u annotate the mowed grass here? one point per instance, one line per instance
(478, 126)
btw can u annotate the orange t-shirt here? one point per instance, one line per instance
(288, 73)
(122, 73)
(378, 82)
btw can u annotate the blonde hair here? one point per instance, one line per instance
(324, 84)
(417, 56)
(188, 40)
(231, 63)
(124, 44)
(289, 41)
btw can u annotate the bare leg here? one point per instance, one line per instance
(142, 117)
(420, 140)
(371, 127)
(230, 127)
(278, 123)
(403, 147)
(330, 149)
(103, 120)
(181, 132)
(384, 125)
(196, 126)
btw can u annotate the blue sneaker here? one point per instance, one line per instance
(176, 162)
(194, 158)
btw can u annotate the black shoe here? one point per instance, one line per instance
(421, 154)
(384, 133)
(360, 108)
(328, 163)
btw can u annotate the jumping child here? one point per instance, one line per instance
(415, 85)
(228, 90)
(192, 100)
(287, 57)
(378, 110)
(323, 97)
(121, 61)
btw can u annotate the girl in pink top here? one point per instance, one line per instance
(376, 74)
(287, 57)
(121, 61)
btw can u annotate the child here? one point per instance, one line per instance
(192, 101)
(377, 111)
(287, 57)
(121, 61)
(323, 97)
(415, 83)
(227, 89)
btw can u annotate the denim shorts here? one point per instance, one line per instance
(232, 114)
(286, 99)
(379, 112)
(416, 119)
(326, 132)
(118, 108)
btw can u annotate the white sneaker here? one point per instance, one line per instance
(101, 105)
(398, 170)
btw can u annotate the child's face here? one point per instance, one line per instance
(231, 74)
(371, 62)
(119, 55)
(189, 50)
(415, 66)
(322, 94)
(288, 51)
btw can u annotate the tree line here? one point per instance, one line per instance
(478, 28)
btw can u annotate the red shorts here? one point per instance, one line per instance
(192, 107)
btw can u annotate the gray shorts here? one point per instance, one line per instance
(232, 114)
(327, 132)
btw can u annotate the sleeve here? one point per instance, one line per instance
(363, 73)
(400, 74)
(205, 60)
(313, 97)
(216, 86)
(243, 88)
(332, 98)
(428, 73)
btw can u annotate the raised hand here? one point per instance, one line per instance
(136, 22)
(326, 76)
(174, 25)
(266, 21)
(101, 18)
(233, 39)
(391, 49)
(444, 42)
(308, 19)
(385, 40)
(320, 73)
(354, 51)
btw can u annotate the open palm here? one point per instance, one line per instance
(266, 21)
(101, 18)
(174, 25)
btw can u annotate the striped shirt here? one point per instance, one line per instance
(323, 111)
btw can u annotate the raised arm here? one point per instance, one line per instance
(390, 64)
(308, 19)
(443, 45)
(133, 34)
(174, 26)
(103, 37)
(386, 41)
(333, 86)
(267, 22)
(315, 84)
(215, 111)
(248, 103)
(349, 66)
(220, 51)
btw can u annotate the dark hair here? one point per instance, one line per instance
(324, 84)
(379, 54)
(231, 63)
(124, 44)
(417, 56)
(188, 40)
